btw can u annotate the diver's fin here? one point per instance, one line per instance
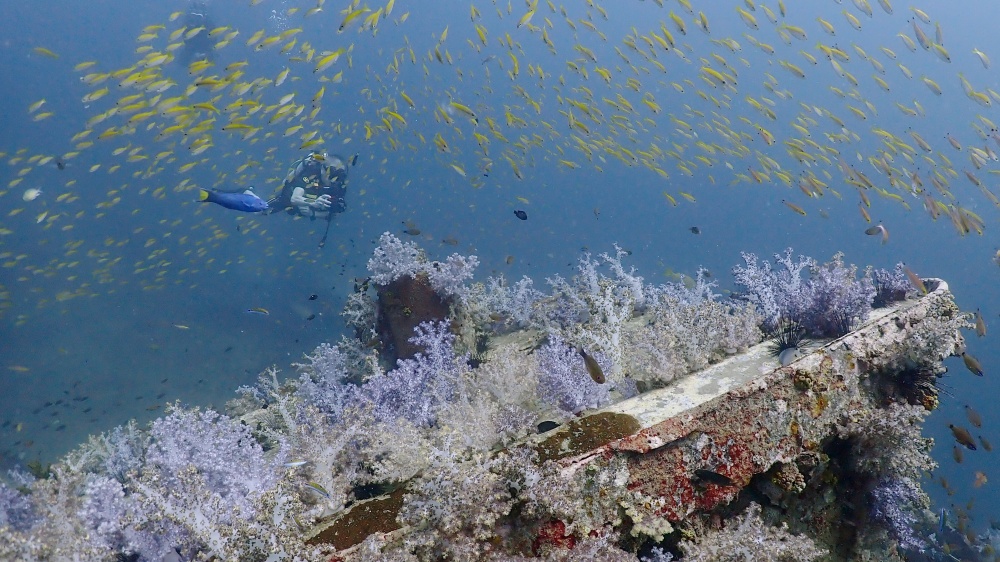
(203, 195)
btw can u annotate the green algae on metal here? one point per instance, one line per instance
(377, 515)
(585, 434)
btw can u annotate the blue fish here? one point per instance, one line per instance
(246, 201)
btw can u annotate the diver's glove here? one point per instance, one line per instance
(321, 203)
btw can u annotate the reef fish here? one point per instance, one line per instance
(878, 230)
(593, 368)
(980, 324)
(915, 280)
(315, 487)
(974, 417)
(246, 201)
(789, 356)
(972, 364)
(963, 436)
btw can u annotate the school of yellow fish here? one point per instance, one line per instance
(673, 97)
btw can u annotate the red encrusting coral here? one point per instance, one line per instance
(552, 535)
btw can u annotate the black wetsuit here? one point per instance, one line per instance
(316, 178)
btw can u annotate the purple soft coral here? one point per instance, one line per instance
(777, 294)
(16, 510)
(840, 300)
(449, 277)
(890, 286)
(394, 258)
(224, 452)
(322, 384)
(564, 381)
(829, 303)
(516, 301)
(418, 387)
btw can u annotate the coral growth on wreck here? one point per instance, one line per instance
(750, 538)
(439, 434)
(829, 302)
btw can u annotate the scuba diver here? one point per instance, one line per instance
(199, 46)
(315, 187)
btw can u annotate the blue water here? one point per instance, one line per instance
(120, 343)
